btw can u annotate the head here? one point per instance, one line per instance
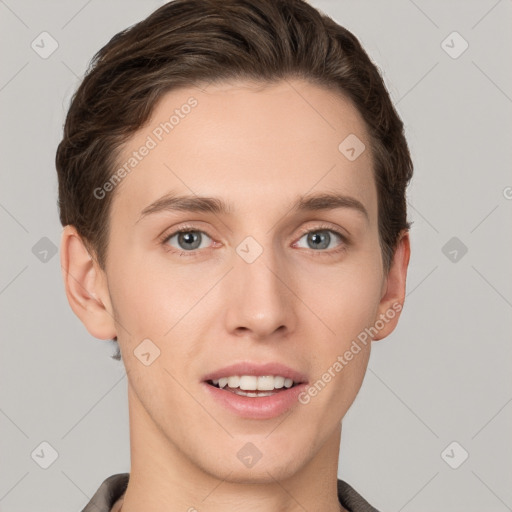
(269, 109)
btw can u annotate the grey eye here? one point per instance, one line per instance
(319, 238)
(188, 240)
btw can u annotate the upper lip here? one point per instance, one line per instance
(258, 370)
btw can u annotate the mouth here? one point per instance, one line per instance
(254, 390)
(254, 404)
(252, 386)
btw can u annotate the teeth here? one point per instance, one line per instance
(248, 383)
(279, 382)
(233, 382)
(253, 383)
(252, 393)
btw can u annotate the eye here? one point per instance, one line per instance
(322, 238)
(187, 240)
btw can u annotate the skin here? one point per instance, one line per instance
(258, 148)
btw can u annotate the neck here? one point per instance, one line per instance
(165, 476)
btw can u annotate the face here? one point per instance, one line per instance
(276, 276)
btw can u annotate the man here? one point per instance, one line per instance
(259, 133)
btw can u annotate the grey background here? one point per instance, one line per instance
(444, 375)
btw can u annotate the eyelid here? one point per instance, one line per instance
(169, 232)
(327, 227)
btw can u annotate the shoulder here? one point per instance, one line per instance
(108, 493)
(113, 487)
(351, 499)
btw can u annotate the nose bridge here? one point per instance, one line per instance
(260, 301)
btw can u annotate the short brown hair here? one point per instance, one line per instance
(185, 42)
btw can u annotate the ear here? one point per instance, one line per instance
(393, 289)
(86, 286)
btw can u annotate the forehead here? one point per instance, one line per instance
(249, 143)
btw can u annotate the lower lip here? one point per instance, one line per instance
(259, 407)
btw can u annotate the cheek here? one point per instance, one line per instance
(168, 304)
(346, 298)
(346, 302)
(148, 302)
(152, 295)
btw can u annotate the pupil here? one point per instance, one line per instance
(318, 238)
(189, 237)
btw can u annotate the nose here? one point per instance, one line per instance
(260, 298)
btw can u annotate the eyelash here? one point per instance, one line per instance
(191, 254)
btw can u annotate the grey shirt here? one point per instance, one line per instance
(114, 487)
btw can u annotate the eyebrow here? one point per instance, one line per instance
(216, 205)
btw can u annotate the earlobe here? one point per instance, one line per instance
(393, 296)
(85, 285)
